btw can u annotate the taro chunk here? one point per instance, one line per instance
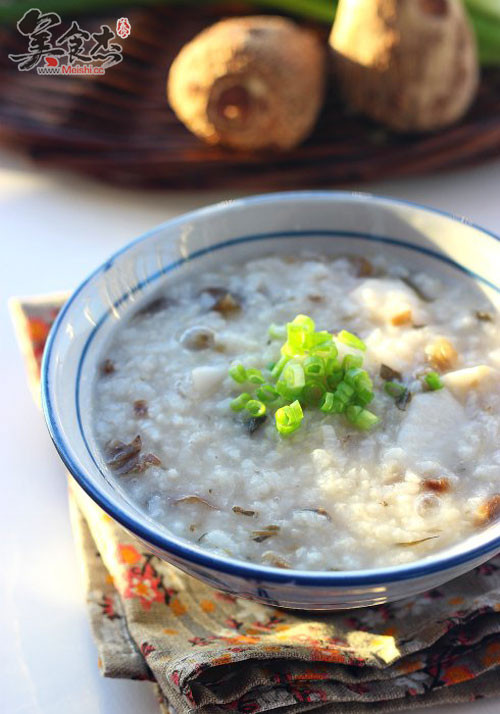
(480, 378)
(206, 380)
(431, 427)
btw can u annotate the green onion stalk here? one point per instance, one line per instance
(484, 14)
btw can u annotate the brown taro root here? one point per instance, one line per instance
(249, 83)
(410, 64)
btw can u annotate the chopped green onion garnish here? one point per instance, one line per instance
(304, 321)
(358, 378)
(238, 404)
(351, 361)
(394, 389)
(364, 396)
(278, 367)
(344, 392)
(351, 340)
(332, 365)
(255, 408)
(433, 381)
(320, 340)
(327, 402)
(326, 350)
(289, 418)
(313, 392)
(267, 393)
(334, 378)
(238, 373)
(254, 376)
(288, 393)
(277, 332)
(361, 418)
(314, 366)
(294, 376)
(309, 372)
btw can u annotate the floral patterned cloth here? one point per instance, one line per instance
(211, 652)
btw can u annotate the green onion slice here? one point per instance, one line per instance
(313, 393)
(238, 404)
(289, 418)
(255, 408)
(433, 381)
(347, 338)
(314, 366)
(278, 367)
(277, 332)
(394, 389)
(254, 376)
(238, 373)
(267, 393)
(361, 418)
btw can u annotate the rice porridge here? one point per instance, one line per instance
(364, 434)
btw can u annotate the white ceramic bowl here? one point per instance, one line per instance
(332, 222)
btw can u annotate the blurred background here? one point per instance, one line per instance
(391, 91)
(401, 98)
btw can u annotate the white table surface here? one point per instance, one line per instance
(54, 229)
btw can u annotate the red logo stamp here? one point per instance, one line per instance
(123, 27)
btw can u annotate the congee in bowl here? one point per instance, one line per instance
(311, 412)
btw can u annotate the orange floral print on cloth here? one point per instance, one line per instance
(142, 581)
(214, 652)
(143, 585)
(128, 554)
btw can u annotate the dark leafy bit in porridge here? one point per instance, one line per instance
(417, 542)
(195, 499)
(260, 536)
(363, 268)
(403, 399)
(395, 389)
(243, 511)
(484, 316)
(222, 300)
(107, 367)
(319, 511)
(127, 459)
(140, 407)
(400, 393)
(147, 460)
(410, 281)
(255, 422)
(159, 304)
(388, 374)
(275, 559)
(124, 457)
(426, 475)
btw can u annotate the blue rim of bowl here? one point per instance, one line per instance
(191, 554)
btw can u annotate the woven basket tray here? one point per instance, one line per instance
(119, 127)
